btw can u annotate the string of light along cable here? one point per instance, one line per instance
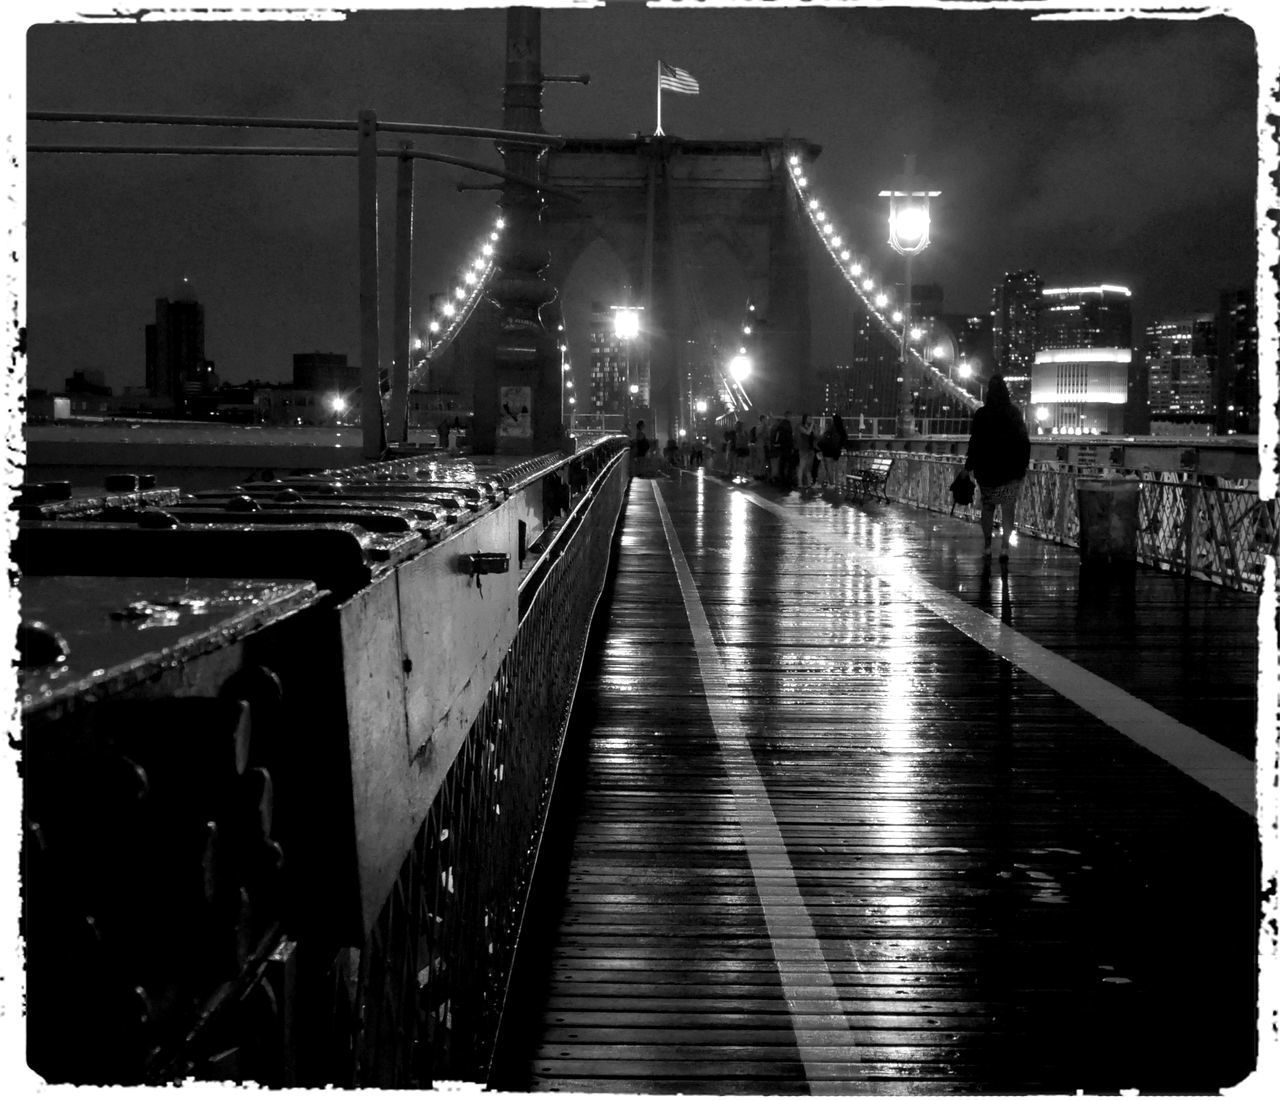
(861, 281)
(444, 324)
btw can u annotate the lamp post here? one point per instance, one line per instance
(908, 234)
(626, 327)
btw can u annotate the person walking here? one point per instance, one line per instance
(831, 444)
(806, 444)
(999, 454)
(741, 445)
(639, 447)
(781, 444)
(760, 448)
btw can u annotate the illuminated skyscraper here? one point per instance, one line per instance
(1015, 309)
(1080, 378)
(874, 368)
(1237, 366)
(1179, 363)
(608, 363)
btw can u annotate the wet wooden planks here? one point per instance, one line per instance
(1003, 892)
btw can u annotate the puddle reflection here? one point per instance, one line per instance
(989, 594)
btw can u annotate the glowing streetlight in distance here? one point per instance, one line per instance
(626, 323)
(916, 334)
(635, 389)
(337, 403)
(939, 351)
(701, 406)
(911, 223)
(966, 370)
(1042, 414)
(897, 317)
(739, 367)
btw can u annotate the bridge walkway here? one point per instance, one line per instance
(846, 810)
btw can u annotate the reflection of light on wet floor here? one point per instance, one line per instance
(817, 1012)
(1223, 771)
(738, 554)
(700, 511)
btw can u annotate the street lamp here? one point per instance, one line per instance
(632, 391)
(908, 234)
(626, 327)
(739, 367)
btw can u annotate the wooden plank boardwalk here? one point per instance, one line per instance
(846, 812)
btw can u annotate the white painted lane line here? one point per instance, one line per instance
(810, 992)
(1221, 770)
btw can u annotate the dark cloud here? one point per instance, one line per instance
(1088, 149)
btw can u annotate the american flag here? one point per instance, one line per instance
(676, 80)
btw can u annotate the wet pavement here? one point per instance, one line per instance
(847, 809)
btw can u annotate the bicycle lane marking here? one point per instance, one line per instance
(813, 1001)
(1221, 770)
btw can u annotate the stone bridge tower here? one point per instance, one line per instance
(663, 204)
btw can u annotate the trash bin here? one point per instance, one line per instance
(1108, 509)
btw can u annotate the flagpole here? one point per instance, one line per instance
(658, 131)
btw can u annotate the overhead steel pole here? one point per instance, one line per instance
(402, 332)
(372, 439)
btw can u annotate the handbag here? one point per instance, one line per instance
(962, 490)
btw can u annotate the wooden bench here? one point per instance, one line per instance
(869, 479)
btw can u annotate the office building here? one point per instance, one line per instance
(1180, 362)
(615, 364)
(1084, 354)
(874, 370)
(175, 361)
(1015, 310)
(1236, 384)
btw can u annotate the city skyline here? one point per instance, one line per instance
(1088, 150)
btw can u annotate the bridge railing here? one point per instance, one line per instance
(434, 969)
(1190, 522)
(290, 841)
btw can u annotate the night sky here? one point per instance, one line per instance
(1119, 151)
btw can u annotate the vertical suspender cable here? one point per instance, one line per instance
(367, 198)
(402, 330)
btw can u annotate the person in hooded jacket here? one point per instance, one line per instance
(999, 454)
